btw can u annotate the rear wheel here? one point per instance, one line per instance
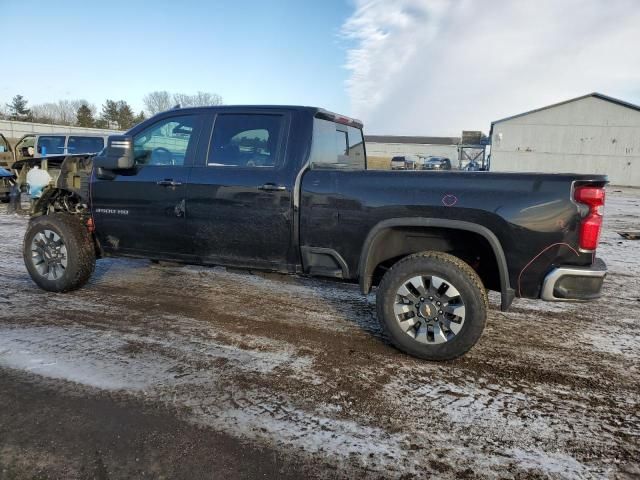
(58, 252)
(432, 305)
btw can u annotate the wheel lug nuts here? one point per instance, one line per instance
(421, 299)
(440, 312)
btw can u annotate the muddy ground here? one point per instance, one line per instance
(156, 371)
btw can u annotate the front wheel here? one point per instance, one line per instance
(58, 252)
(432, 305)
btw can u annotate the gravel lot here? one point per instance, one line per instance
(165, 371)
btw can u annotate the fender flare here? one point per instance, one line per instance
(365, 269)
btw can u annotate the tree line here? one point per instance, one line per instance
(116, 114)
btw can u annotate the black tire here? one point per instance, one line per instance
(451, 269)
(80, 252)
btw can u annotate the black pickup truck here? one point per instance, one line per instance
(287, 189)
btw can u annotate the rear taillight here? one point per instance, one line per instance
(591, 225)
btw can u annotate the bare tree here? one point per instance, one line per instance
(204, 99)
(200, 99)
(44, 113)
(156, 102)
(63, 112)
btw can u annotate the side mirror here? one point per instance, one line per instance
(117, 155)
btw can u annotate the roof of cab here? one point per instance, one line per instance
(316, 111)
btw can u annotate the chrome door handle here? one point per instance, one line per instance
(272, 187)
(168, 183)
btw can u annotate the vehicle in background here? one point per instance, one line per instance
(436, 163)
(7, 180)
(287, 189)
(48, 151)
(39, 145)
(6, 153)
(404, 162)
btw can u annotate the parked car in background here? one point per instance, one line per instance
(404, 162)
(39, 145)
(436, 163)
(32, 149)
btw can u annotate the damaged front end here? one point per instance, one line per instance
(58, 184)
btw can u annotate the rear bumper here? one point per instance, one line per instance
(569, 283)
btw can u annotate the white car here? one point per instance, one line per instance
(404, 162)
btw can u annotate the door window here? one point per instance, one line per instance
(51, 145)
(77, 144)
(4, 146)
(337, 146)
(245, 140)
(166, 142)
(24, 148)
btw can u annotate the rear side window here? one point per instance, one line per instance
(85, 144)
(246, 140)
(51, 145)
(337, 146)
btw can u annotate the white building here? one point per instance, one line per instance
(589, 134)
(385, 147)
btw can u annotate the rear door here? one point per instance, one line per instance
(240, 197)
(143, 211)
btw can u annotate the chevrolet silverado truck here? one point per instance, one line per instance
(287, 189)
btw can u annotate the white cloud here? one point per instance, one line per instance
(436, 67)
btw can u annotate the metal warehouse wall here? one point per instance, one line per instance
(589, 135)
(14, 130)
(393, 149)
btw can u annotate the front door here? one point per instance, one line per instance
(239, 200)
(143, 211)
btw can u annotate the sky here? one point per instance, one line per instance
(412, 67)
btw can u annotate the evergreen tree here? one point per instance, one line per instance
(141, 117)
(84, 116)
(101, 123)
(110, 113)
(125, 116)
(18, 109)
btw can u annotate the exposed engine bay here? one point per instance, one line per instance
(56, 184)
